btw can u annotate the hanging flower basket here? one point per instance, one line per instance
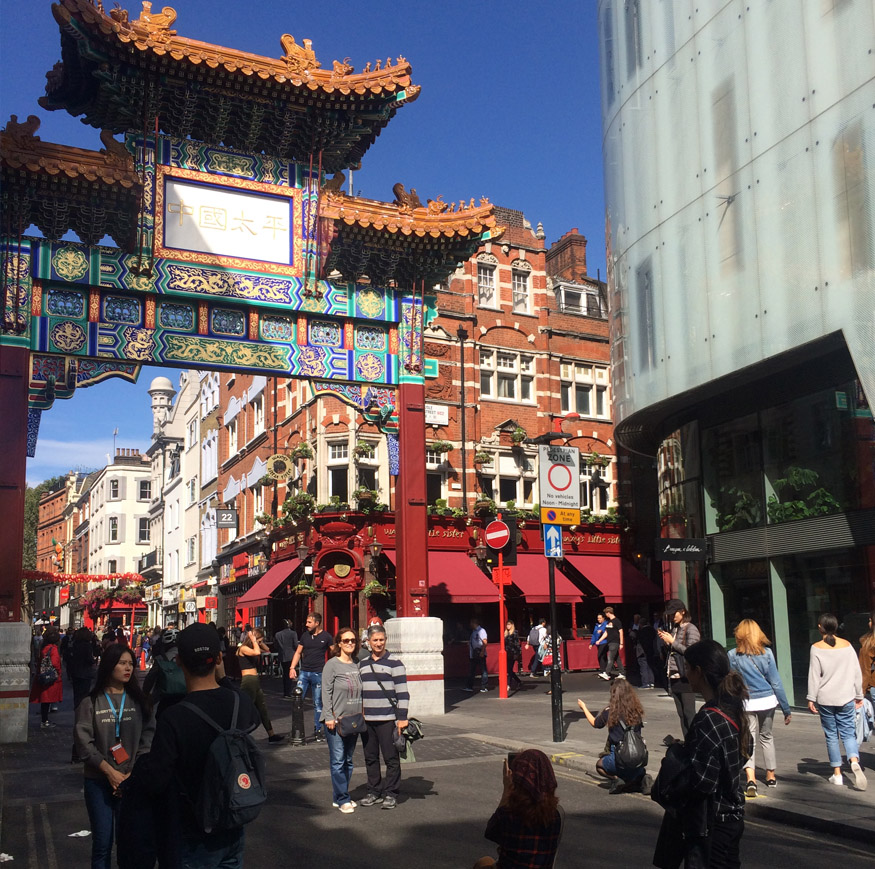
(518, 436)
(483, 458)
(302, 451)
(363, 450)
(441, 447)
(485, 507)
(305, 590)
(374, 589)
(298, 507)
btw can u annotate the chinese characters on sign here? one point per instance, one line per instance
(225, 222)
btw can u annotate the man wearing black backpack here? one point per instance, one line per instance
(182, 758)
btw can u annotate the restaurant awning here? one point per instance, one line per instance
(454, 578)
(260, 593)
(531, 577)
(615, 578)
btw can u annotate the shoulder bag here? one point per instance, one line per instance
(632, 751)
(411, 733)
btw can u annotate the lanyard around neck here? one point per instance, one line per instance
(117, 712)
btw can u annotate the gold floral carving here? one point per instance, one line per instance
(186, 348)
(70, 263)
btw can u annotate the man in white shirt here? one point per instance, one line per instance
(477, 654)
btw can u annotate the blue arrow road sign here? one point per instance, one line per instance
(553, 541)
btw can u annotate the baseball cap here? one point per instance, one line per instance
(198, 644)
(674, 605)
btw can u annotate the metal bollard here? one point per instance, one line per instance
(296, 737)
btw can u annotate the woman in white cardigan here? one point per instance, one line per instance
(835, 689)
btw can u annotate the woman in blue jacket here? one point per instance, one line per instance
(756, 664)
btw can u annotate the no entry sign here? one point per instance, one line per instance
(497, 535)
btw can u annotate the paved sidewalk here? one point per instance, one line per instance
(803, 797)
(482, 724)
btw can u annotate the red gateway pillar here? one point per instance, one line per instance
(14, 377)
(411, 584)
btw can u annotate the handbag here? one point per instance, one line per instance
(350, 725)
(411, 733)
(547, 660)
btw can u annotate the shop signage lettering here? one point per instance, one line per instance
(682, 549)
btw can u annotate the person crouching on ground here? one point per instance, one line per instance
(341, 695)
(527, 825)
(624, 708)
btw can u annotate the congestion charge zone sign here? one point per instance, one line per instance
(559, 484)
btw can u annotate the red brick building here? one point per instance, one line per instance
(522, 333)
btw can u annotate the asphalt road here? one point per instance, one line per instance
(447, 797)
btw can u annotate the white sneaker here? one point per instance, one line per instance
(347, 808)
(605, 676)
(352, 803)
(859, 777)
(836, 780)
(620, 676)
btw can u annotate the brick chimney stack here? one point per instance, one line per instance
(566, 258)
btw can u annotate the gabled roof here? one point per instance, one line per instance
(56, 187)
(403, 241)
(118, 71)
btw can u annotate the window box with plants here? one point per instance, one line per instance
(334, 505)
(298, 508)
(481, 457)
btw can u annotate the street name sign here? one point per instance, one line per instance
(553, 541)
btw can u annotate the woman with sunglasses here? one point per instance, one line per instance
(341, 696)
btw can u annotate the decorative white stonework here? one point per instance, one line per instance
(418, 642)
(14, 681)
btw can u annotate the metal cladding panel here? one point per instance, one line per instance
(839, 531)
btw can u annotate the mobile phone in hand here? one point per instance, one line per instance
(511, 757)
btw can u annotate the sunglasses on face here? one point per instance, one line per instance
(347, 639)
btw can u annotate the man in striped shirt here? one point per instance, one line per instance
(385, 700)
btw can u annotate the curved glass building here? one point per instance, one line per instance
(739, 147)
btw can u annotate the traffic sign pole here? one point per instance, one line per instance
(555, 670)
(502, 621)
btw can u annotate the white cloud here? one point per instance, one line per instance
(54, 457)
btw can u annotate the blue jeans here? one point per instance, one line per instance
(218, 851)
(308, 678)
(340, 750)
(838, 722)
(102, 809)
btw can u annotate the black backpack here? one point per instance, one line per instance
(232, 789)
(632, 751)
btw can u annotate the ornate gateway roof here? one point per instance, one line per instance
(94, 193)
(404, 240)
(122, 73)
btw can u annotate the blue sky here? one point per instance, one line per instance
(509, 110)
